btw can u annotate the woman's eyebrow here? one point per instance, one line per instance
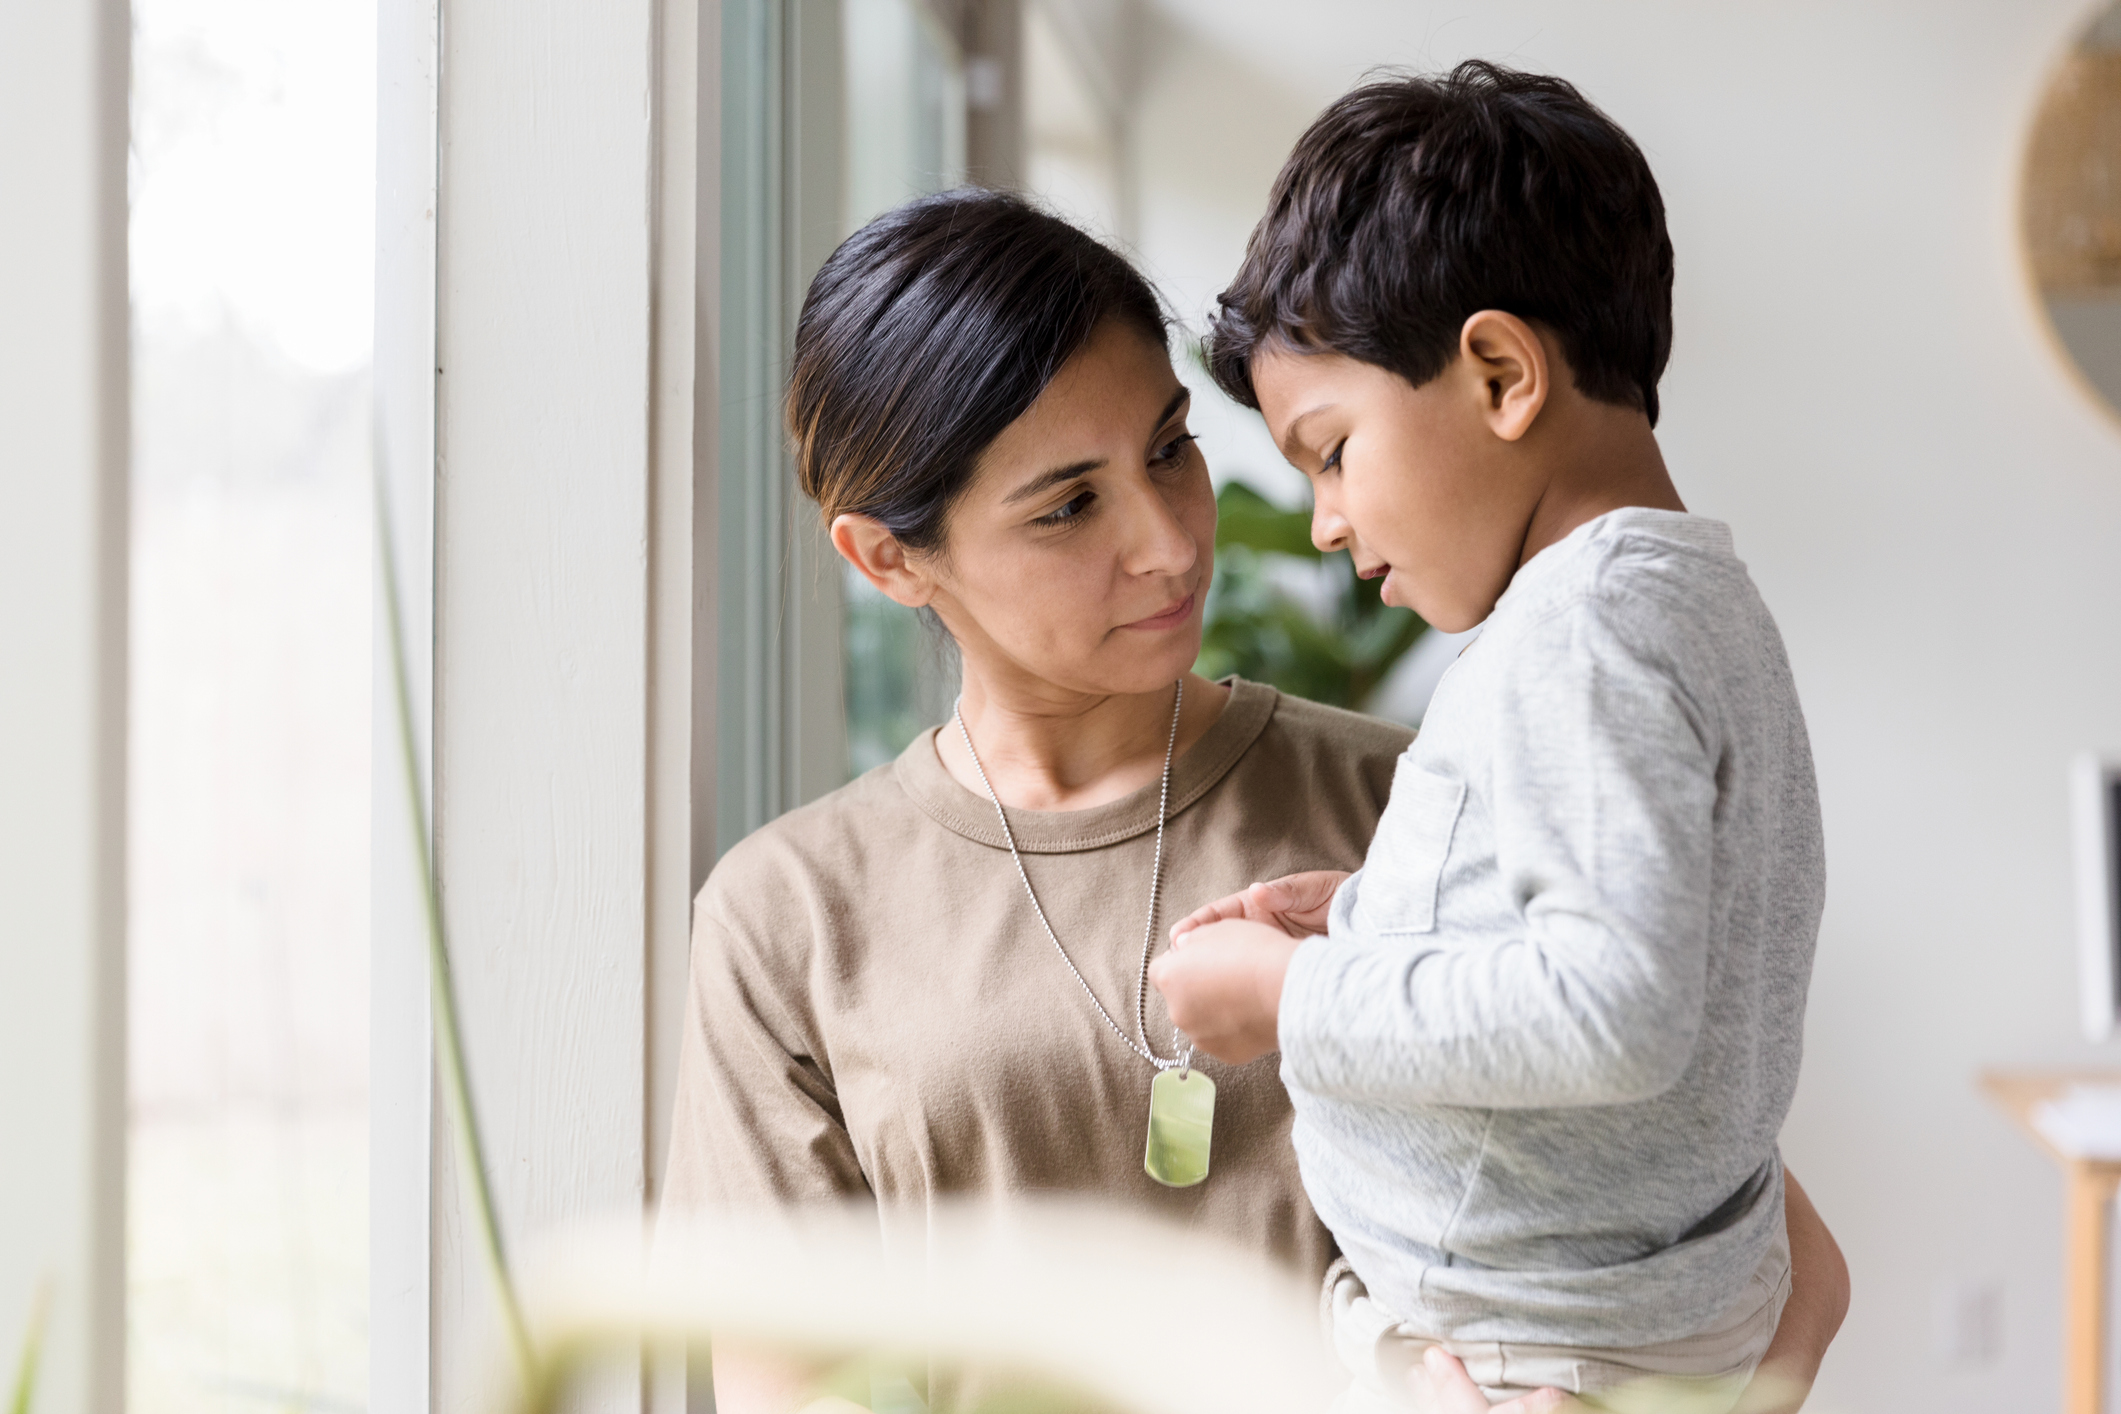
(1178, 400)
(1045, 481)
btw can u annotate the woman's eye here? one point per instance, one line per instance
(1174, 449)
(1075, 506)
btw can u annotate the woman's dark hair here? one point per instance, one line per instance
(1413, 203)
(930, 330)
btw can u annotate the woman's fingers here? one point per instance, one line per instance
(1452, 1390)
(1255, 903)
(1295, 903)
(1301, 901)
(1216, 912)
(1539, 1401)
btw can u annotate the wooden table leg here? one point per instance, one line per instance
(2091, 1203)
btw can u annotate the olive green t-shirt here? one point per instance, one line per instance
(875, 1009)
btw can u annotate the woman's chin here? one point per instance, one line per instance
(1156, 664)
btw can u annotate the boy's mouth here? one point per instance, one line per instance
(1381, 570)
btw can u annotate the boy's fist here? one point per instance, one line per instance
(1294, 903)
(1223, 983)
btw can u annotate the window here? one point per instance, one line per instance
(252, 256)
(905, 136)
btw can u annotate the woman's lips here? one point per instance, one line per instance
(1170, 618)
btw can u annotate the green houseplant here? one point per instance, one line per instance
(1258, 628)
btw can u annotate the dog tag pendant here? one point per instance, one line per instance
(1181, 1122)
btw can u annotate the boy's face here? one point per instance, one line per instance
(1418, 484)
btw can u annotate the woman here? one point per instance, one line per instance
(900, 991)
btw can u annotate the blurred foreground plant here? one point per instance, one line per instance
(32, 1348)
(449, 1041)
(1042, 1305)
(1257, 628)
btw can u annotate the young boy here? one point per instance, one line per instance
(1542, 1051)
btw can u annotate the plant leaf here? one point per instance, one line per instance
(1256, 628)
(32, 1348)
(1244, 517)
(448, 1026)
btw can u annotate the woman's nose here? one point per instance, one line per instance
(1159, 544)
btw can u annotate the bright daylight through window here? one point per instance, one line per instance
(252, 256)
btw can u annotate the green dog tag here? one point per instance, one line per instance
(1181, 1122)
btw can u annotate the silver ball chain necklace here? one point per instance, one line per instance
(1181, 1099)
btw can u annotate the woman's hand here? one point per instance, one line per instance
(1452, 1391)
(756, 1381)
(1222, 983)
(1294, 903)
(1819, 1298)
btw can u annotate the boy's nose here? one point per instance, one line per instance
(1329, 530)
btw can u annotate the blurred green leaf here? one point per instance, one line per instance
(32, 1347)
(1258, 626)
(1244, 517)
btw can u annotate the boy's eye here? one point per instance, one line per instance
(1069, 510)
(1334, 460)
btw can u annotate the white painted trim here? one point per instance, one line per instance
(681, 601)
(401, 1072)
(64, 81)
(544, 335)
(542, 331)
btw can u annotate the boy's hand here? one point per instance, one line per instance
(1294, 903)
(1223, 985)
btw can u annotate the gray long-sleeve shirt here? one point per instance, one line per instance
(1540, 1061)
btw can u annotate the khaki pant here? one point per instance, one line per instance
(1701, 1374)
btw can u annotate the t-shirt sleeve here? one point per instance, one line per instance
(1588, 986)
(757, 1122)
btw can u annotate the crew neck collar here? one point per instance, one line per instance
(1699, 533)
(921, 773)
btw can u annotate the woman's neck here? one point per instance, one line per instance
(1051, 750)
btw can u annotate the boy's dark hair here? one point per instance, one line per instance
(1412, 203)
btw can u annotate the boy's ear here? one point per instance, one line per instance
(1510, 361)
(864, 543)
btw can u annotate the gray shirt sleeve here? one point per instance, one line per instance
(1576, 973)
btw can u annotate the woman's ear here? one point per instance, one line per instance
(1510, 359)
(864, 543)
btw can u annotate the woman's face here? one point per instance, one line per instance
(1079, 557)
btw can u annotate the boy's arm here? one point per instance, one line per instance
(1587, 985)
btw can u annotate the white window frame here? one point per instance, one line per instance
(542, 328)
(64, 89)
(621, 660)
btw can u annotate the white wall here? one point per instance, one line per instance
(1861, 385)
(62, 695)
